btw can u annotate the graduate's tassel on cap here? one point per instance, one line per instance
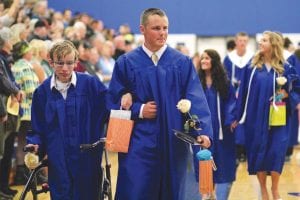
(206, 167)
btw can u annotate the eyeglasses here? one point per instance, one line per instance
(61, 64)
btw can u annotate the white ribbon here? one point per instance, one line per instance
(274, 94)
(242, 120)
(219, 117)
(233, 79)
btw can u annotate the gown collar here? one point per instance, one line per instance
(159, 53)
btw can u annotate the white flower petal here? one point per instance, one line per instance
(31, 160)
(281, 80)
(184, 105)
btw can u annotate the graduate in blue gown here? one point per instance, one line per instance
(221, 99)
(156, 163)
(236, 60)
(294, 60)
(265, 145)
(234, 63)
(68, 109)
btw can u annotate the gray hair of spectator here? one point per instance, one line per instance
(38, 5)
(79, 25)
(5, 33)
(151, 11)
(17, 29)
(2, 42)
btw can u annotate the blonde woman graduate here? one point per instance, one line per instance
(259, 94)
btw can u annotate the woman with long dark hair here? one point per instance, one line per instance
(221, 100)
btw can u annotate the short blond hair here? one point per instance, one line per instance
(149, 12)
(62, 49)
(37, 46)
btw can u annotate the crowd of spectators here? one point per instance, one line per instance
(28, 29)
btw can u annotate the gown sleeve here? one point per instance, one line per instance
(37, 118)
(228, 65)
(119, 86)
(229, 107)
(243, 89)
(292, 86)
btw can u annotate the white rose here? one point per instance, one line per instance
(184, 105)
(31, 160)
(281, 80)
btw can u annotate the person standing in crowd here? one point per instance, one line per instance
(7, 16)
(106, 62)
(67, 17)
(265, 143)
(68, 109)
(40, 31)
(20, 32)
(84, 49)
(8, 120)
(196, 60)
(157, 77)
(221, 99)
(28, 81)
(237, 59)
(288, 48)
(234, 63)
(40, 58)
(119, 43)
(294, 60)
(230, 45)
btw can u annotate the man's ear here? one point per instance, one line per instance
(142, 29)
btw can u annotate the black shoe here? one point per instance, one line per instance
(9, 191)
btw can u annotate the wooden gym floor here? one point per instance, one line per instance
(244, 188)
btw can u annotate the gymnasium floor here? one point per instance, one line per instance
(244, 188)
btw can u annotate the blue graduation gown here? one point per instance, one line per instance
(60, 126)
(229, 65)
(155, 165)
(223, 150)
(295, 62)
(265, 146)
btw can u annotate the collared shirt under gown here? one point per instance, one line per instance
(60, 126)
(265, 146)
(155, 166)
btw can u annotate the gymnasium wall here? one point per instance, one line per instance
(203, 18)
